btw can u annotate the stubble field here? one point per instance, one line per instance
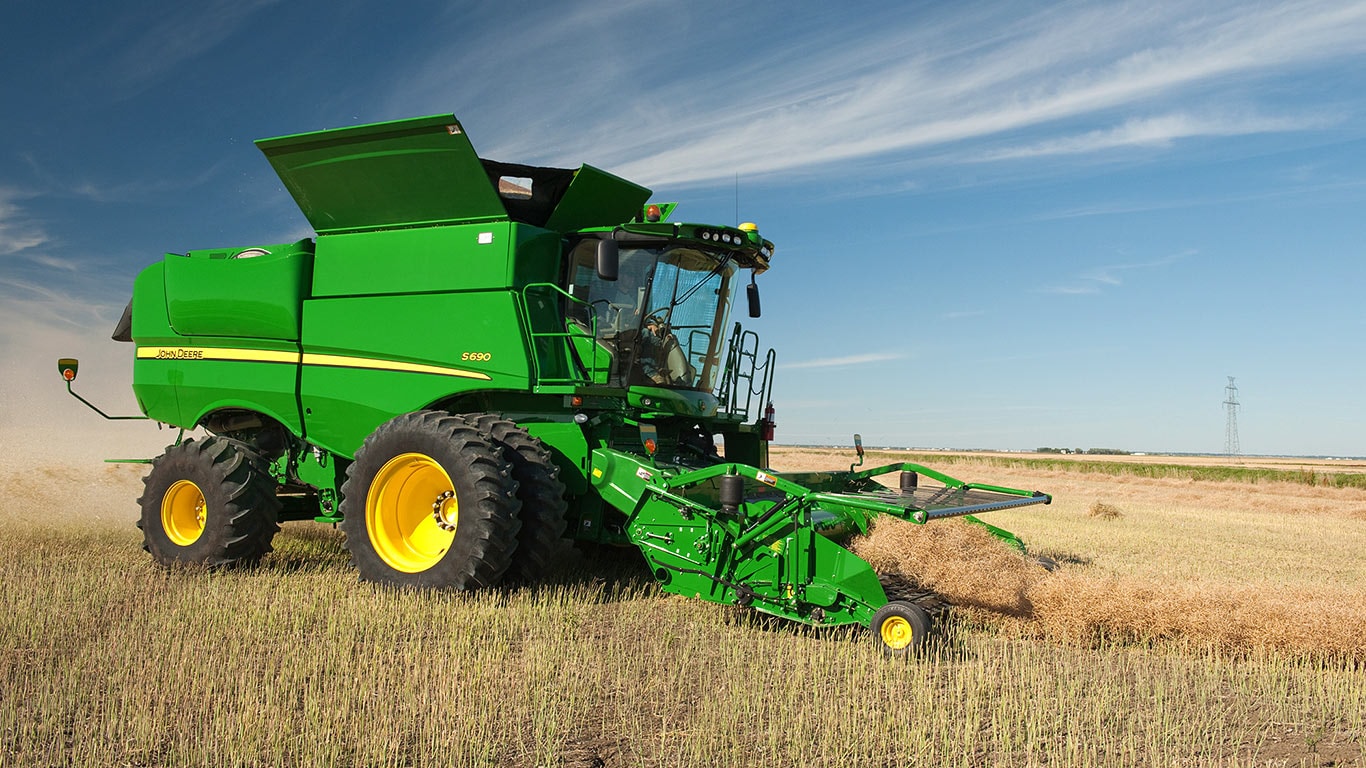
(1195, 620)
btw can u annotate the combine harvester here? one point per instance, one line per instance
(475, 362)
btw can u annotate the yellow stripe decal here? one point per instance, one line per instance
(341, 361)
(269, 356)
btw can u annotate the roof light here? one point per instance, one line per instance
(652, 213)
(750, 226)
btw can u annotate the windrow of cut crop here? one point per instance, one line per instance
(992, 584)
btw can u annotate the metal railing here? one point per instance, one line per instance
(568, 331)
(737, 389)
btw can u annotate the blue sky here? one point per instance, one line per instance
(999, 225)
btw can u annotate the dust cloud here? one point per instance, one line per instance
(52, 448)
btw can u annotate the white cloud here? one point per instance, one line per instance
(915, 83)
(17, 232)
(839, 362)
(153, 48)
(1109, 276)
(1159, 132)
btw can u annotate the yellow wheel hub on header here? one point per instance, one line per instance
(411, 513)
(896, 633)
(183, 513)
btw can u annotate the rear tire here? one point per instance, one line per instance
(429, 502)
(208, 502)
(901, 627)
(540, 543)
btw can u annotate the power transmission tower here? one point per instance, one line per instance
(1231, 428)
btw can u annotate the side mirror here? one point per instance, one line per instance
(858, 448)
(752, 293)
(67, 367)
(607, 260)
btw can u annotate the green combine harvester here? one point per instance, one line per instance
(476, 363)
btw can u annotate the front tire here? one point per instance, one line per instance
(429, 502)
(208, 502)
(540, 544)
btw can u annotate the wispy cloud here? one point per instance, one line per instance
(1068, 79)
(1110, 276)
(1159, 132)
(57, 307)
(17, 231)
(847, 360)
(1290, 190)
(151, 49)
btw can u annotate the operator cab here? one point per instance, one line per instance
(663, 318)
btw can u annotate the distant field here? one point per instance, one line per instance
(1341, 472)
(1195, 620)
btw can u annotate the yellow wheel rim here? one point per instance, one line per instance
(896, 633)
(411, 513)
(183, 513)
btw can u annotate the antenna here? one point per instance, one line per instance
(737, 198)
(1231, 428)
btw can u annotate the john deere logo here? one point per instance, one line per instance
(179, 353)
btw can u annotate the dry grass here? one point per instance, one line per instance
(107, 660)
(1104, 511)
(966, 565)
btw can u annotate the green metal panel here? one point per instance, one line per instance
(154, 385)
(179, 378)
(259, 375)
(537, 255)
(596, 198)
(567, 444)
(224, 294)
(664, 402)
(366, 359)
(342, 406)
(466, 257)
(398, 174)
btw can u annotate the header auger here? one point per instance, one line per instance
(476, 363)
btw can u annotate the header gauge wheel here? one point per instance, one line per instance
(901, 627)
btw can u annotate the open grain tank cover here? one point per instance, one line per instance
(405, 173)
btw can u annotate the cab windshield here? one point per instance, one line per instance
(661, 319)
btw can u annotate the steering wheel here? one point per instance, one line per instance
(660, 317)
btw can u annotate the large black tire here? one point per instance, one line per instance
(429, 502)
(540, 544)
(208, 502)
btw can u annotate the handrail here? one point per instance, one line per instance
(572, 330)
(744, 351)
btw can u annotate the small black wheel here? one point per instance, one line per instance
(540, 543)
(430, 502)
(901, 627)
(208, 502)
